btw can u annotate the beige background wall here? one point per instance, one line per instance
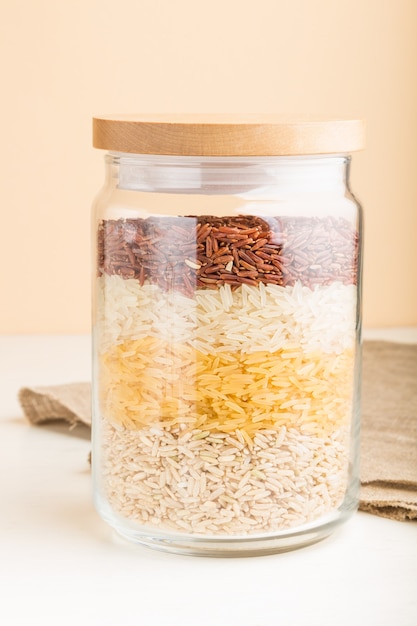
(64, 60)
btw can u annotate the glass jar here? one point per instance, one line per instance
(227, 316)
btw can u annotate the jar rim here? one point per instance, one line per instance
(226, 135)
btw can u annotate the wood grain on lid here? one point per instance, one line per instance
(226, 135)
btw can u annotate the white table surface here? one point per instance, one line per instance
(60, 564)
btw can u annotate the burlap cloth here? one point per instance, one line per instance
(389, 424)
(389, 430)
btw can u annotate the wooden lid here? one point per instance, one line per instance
(226, 135)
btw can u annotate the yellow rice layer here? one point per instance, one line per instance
(150, 381)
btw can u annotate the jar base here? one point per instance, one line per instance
(233, 546)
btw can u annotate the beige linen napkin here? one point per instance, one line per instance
(389, 430)
(70, 402)
(389, 424)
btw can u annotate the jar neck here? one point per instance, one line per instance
(223, 175)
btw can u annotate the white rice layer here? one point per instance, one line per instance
(252, 318)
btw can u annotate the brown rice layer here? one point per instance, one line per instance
(205, 252)
(213, 484)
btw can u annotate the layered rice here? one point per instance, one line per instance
(227, 412)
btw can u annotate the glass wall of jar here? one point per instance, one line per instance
(226, 333)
